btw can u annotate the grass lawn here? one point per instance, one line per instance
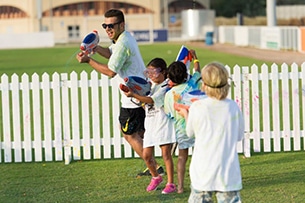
(267, 178)
(61, 59)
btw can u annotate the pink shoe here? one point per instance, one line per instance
(169, 188)
(154, 183)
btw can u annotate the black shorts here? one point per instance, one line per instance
(132, 120)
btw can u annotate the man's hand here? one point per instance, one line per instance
(82, 58)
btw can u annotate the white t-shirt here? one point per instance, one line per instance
(126, 60)
(159, 128)
(217, 126)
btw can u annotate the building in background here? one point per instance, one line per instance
(70, 20)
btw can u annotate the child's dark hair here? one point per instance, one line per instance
(158, 63)
(115, 13)
(177, 72)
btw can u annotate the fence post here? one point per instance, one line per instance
(76, 142)
(276, 108)
(47, 116)
(286, 107)
(246, 110)
(303, 100)
(66, 118)
(16, 118)
(296, 96)
(266, 108)
(95, 108)
(37, 117)
(57, 117)
(6, 118)
(26, 110)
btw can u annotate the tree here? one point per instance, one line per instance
(249, 8)
(231, 8)
(290, 2)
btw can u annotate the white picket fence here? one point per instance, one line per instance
(75, 116)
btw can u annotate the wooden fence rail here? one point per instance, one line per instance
(75, 117)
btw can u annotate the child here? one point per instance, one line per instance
(217, 124)
(159, 128)
(181, 83)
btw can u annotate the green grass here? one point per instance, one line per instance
(267, 177)
(61, 59)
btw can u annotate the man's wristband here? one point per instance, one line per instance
(196, 61)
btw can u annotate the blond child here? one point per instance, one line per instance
(217, 124)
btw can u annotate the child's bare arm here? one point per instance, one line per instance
(196, 61)
(144, 99)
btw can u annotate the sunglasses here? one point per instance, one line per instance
(110, 26)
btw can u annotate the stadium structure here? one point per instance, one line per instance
(70, 20)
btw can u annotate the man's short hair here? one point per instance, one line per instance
(115, 13)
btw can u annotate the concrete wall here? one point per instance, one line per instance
(288, 12)
(27, 40)
(263, 37)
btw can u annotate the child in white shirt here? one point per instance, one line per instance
(159, 129)
(217, 124)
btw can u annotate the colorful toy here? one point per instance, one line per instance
(137, 84)
(187, 99)
(184, 56)
(89, 42)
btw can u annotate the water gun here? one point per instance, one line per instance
(187, 99)
(184, 56)
(89, 42)
(138, 85)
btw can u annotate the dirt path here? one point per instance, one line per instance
(279, 57)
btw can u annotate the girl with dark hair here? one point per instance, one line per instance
(181, 82)
(159, 129)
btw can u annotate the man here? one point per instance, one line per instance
(124, 60)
